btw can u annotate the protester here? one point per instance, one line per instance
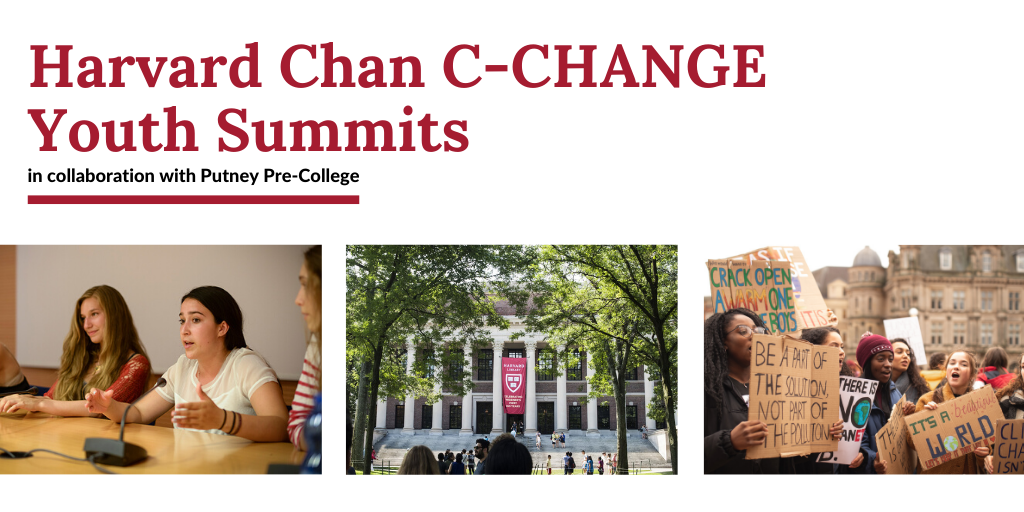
(101, 350)
(935, 372)
(509, 457)
(905, 372)
(419, 460)
(875, 355)
(961, 371)
(827, 337)
(308, 301)
(727, 433)
(480, 451)
(993, 369)
(1011, 400)
(457, 467)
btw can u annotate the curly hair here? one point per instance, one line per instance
(716, 360)
(913, 372)
(938, 398)
(1015, 385)
(817, 336)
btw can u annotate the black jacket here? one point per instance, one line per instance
(1011, 404)
(720, 457)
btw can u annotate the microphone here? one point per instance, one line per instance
(116, 452)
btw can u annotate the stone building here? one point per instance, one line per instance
(555, 400)
(966, 296)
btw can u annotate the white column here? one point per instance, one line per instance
(438, 409)
(497, 425)
(467, 401)
(648, 396)
(530, 424)
(591, 404)
(410, 399)
(561, 411)
(382, 414)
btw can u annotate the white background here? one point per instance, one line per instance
(899, 118)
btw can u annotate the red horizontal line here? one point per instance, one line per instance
(495, 67)
(193, 199)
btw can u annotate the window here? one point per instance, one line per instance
(986, 262)
(631, 374)
(400, 416)
(575, 370)
(424, 355)
(1020, 261)
(959, 333)
(869, 304)
(986, 301)
(946, 259)
(856, 304)
(516, 352)
(936, 334)
(1014, 303)
(546, 364)
(987, 330)
(575, 417)
(872, 275)
(485, 365)
(454, 416)
(936, 299)
(906, 260)
(959, 300)
(427, 417)
(905, 299)
(1013, 334)
(455, 371)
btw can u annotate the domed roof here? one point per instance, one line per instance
(867, 258)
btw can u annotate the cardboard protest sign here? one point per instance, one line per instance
(956, 428)
(910, 330)
(764, 287)
(855, 396)
(794, 389)
(1008, 454)
(810, 305)
(892, 443)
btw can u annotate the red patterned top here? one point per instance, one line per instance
(130, 384)
(306, 389)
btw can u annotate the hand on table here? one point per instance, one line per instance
(20, 403)
(97, 402)
(201, 415)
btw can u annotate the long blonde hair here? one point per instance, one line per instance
(120, 342)
(419, 460)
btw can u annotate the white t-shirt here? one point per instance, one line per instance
(242, 373)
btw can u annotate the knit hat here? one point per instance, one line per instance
(870, 346)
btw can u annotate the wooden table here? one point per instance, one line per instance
(170, 450)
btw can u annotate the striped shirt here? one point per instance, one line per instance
(306, 389)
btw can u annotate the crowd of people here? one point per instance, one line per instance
(727, 363)
(504, 456)
(218, 385)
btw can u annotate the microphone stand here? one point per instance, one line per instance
(116, 452)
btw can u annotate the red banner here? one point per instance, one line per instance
(513, 382)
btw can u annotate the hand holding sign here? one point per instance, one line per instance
(748, 434)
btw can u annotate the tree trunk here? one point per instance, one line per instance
(371, 406)
(670, 410)
(620, 419)
(359, 426)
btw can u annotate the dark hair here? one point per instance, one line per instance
(508, 457)
(817, 336)
(936, 361)
(997, 357)
(882, 398)
(716, 360)
(485, 444)
(1016, 384)
(440, 457)
(458, 457)
(913, 372)
(224, 309)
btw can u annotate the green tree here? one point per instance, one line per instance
(434, 299)
(620, 303)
